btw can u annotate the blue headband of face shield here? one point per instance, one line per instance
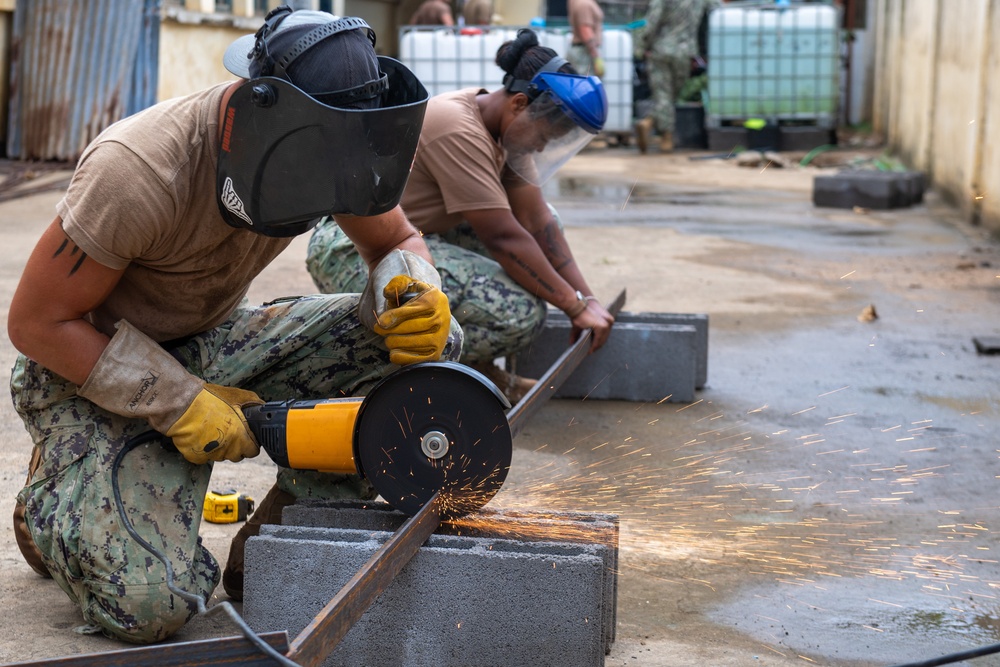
(582, 98)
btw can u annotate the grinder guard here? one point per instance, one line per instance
(286, 160)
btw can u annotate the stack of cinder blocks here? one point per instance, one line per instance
(869, 189)
(648, 357)
(501, 588)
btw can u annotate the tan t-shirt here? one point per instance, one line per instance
(143, 199)
(586, 12)
(458, 166)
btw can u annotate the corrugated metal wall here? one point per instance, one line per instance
(78, 66)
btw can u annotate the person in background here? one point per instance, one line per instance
(475, 194)
(667, 42)
(478, 12)
(136, 337)
(586, 20)
(433, 12)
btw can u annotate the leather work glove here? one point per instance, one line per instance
(136, 378)
(416, 325)
(213, 427)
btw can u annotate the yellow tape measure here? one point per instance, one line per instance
(227, 506)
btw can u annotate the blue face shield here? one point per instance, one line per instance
(565, 112)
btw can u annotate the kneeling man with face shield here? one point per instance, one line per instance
(475, 193)
(131, 313)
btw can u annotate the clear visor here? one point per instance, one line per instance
(541, 139)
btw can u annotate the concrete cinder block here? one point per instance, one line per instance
(459, 601)
(599, 529)
(879, 190)
(647, 359)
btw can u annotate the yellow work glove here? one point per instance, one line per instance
(416, 327)
(213, 427)
(599, 67)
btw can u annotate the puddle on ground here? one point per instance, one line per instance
(874, 620)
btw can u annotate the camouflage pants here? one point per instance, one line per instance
(498, 316)
(309, 347)
(667, 75)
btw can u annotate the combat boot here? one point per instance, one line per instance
(643, 132)
(514, 387)
(666, 142)
(32, 556)
(268, 511)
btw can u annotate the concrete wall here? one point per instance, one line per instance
(937, 98)
(6, 31)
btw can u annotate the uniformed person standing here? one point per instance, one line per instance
(667, 42)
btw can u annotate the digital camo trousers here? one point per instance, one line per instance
(498, 316)
(308, 347)
(667, 75)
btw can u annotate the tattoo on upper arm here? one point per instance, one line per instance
(72, 253)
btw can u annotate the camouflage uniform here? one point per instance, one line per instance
(308, 347)
(670, 38)
(498, 317)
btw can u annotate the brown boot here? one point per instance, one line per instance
(268, 511)
(666, 142)
(32, 556)
(514, 387)
(643, 131)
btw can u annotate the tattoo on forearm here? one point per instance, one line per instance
(73, 252)
(531, 272)
(549, 240)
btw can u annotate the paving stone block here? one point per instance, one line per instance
(878, 190)
(698, 320)
(459, 601)
(645, 361)
(599, 529)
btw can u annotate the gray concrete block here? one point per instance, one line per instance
(460, 600)
(641, 361)
(698, 320)
(878, 190)
(599, 529)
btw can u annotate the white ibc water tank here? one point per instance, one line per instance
(773, 62)
(444, 59)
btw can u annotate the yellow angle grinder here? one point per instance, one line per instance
(427, 427)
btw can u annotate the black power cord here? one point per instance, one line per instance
(955, 657)
(151, 436)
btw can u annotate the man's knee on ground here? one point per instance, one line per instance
(147, 613)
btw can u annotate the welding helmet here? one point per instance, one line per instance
(563, 114)
(293, 150)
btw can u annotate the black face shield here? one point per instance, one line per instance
(286, 159)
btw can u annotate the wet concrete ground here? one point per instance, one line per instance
(831, 496)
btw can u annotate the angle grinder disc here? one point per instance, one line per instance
(430, 426)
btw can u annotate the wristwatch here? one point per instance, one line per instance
(581, 305)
